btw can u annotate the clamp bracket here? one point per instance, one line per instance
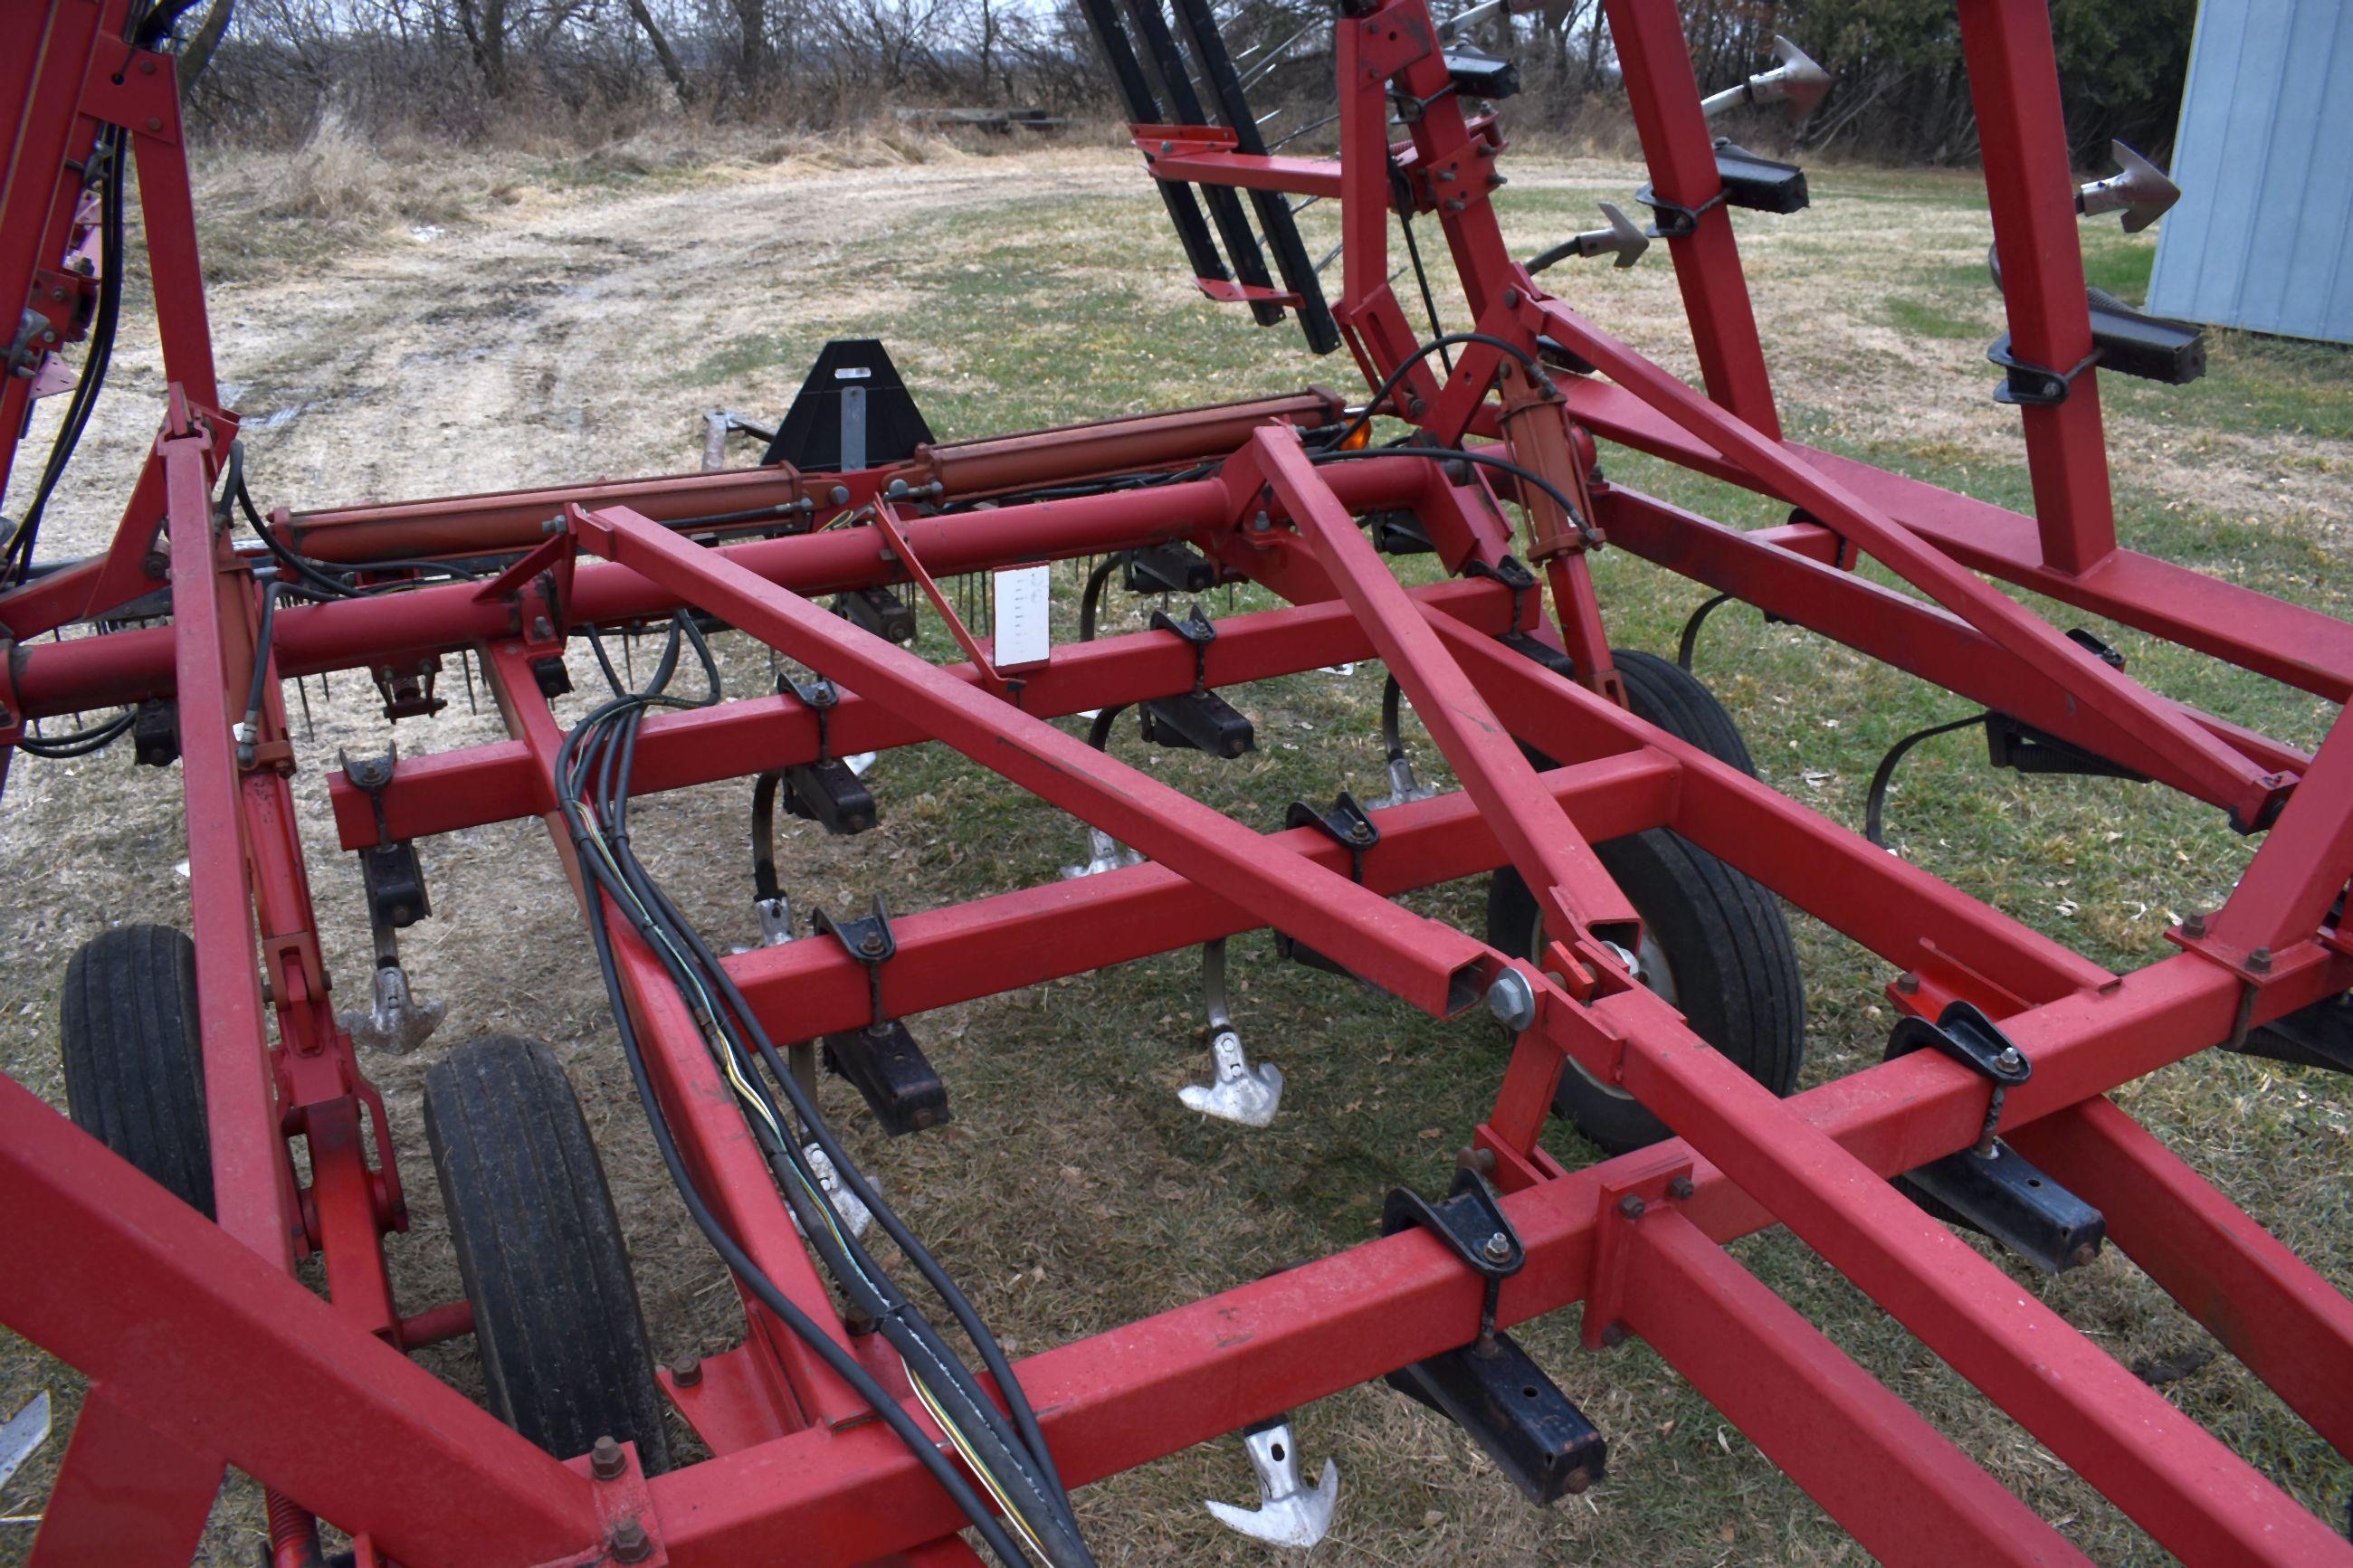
(1964, 1032)
(1672, 220)
(2032, 385)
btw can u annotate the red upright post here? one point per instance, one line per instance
(2022, 128)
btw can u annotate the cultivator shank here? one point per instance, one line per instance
(204, 1349)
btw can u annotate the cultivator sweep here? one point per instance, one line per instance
(1631, 849)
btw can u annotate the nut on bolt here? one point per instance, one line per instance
(1499, 1248)
(2193, 924)
(606, 1460)
(1632, 1205)
(686, 1370)
(630, 1541)
(1680, 1188)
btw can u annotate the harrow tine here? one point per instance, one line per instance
(1309, 128)
(303, 694)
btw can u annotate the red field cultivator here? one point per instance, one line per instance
(155, 1246)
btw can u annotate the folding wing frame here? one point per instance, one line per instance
(204, 1349)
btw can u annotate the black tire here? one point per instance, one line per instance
(133, 1060)
(555, 1309)
(1718, 939)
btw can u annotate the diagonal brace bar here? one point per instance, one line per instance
(1575, 894)
(2253, 795)
(1428, 963)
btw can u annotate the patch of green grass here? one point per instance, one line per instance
(1931, 320)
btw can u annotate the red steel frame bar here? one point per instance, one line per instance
(1867, 1456)
(2022, 130)
(2268, 1307)
(713, 1137)
(1431, 965)
(1663, 94)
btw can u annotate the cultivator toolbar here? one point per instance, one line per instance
(1634, 952)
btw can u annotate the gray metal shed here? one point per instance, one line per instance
(2262, 237)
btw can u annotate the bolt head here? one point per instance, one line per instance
(1908, 984)
(1512, 999)
(2194, 925)
(1632, 1205)
(2260, 960)
(606, 1460)
(1680, 1188)
(686, 1370)
(1613, 1335)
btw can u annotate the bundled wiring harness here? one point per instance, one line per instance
(1005, 1448)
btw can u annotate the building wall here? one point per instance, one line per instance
(2262, 237)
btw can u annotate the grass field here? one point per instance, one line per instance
(398, 331)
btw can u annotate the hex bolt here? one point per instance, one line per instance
(1631, 1207)
(542, 629)
(1511, 298)
(2084, 1253)
(551, 527)
(2009, 1060)
(1512, 999)
(1498, 1248)
(606, 1460)
(1907, 983)
(631, 1543)
(686, 1370)
(1613, 1335)
(1680, 1188)
(154, 123)
(2194, 924)
(1261, 523)
(2260, 961)
(870, 943)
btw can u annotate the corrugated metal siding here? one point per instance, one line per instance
(2262, 237)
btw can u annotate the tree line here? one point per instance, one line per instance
(268, 70)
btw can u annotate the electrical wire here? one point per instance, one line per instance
(595, 767)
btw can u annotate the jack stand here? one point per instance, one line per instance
(1238, 1092)
(1288, 1514)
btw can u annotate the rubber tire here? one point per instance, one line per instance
(556, 1311)
(133, 1058)
(1723, 935)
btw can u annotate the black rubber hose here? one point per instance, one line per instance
(1485, 460)
(738, 1261)
(613, 760)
